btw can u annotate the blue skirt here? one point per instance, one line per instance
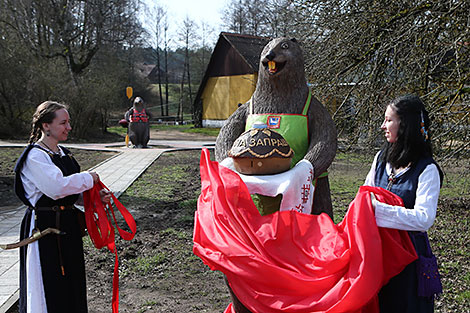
(400, 295)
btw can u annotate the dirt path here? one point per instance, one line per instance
(158, 271)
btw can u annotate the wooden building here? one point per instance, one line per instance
(230, 77)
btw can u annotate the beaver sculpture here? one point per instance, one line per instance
(283, 101)
(139, 125)
(282, 91)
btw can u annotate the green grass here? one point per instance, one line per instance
(464, 296)
(180, 128)
(173, 96)
(166, 177)
(187, 208)
(174, 233)
(188, 128)
(355, 158)
(174, 91)
(205, 131)
(455, 185)
(347, 173)
(144, 265)
(118, 130)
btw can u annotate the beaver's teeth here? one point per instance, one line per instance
(271, 65)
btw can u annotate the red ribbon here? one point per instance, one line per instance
(101, 230)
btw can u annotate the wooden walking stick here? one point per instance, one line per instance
(37, 234)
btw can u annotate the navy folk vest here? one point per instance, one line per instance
(405, 185)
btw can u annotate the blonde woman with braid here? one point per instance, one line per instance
(48, 180)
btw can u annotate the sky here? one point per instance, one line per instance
(209, 11)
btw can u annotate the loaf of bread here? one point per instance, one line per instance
(261, 151)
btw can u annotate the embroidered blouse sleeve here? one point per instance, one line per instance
(48, 178)
(422, 215)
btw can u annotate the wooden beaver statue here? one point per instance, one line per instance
(283, 101)
(139, 126)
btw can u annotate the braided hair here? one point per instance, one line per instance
(45, 113)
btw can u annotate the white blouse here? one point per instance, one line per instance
(41, 176)
(422, 215)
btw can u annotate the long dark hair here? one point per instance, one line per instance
(45, 113)
(413, 141)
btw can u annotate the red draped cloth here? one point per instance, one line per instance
(294, 262)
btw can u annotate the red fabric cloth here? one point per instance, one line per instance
(101, 230)
(294, 262)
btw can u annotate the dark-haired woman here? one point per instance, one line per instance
(49, 182)
(405, 167)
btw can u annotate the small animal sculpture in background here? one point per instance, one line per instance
(281, 100)
(139, 126)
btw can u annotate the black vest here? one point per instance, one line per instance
(67, 165)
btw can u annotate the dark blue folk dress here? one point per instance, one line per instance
(400, 295)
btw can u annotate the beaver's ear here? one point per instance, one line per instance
(294, 40)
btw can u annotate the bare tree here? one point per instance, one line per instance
(255, 15)
(270, 18)
(188, 36)
(56, 46)
(236, 20)
(361, 54)
(72, 29)
(157, 17)
(200, 61)
(205, 34)
(15, 73)
(280, 18)
(166, 40)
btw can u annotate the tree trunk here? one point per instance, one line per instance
(189, 82)
(180, 107)
(159, 82)
(166, 74)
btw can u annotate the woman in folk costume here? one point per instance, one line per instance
(49, 182)
(405, 167)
